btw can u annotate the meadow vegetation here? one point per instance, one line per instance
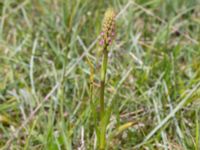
(49, 51)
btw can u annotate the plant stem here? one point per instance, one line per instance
(102, 88)
(103, 78)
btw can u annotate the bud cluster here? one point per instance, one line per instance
(108, 28)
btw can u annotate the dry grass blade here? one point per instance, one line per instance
(31, 116)
(168, 117)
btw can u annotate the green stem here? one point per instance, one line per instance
(103, 78)
(102, 89)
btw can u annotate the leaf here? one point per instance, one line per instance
(125, 126)
(4, 120)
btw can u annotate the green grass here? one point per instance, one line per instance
(153, 74)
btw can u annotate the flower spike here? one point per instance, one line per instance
(108, 28)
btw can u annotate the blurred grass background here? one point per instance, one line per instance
(44, 76)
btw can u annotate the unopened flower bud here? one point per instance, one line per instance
(108, 28)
